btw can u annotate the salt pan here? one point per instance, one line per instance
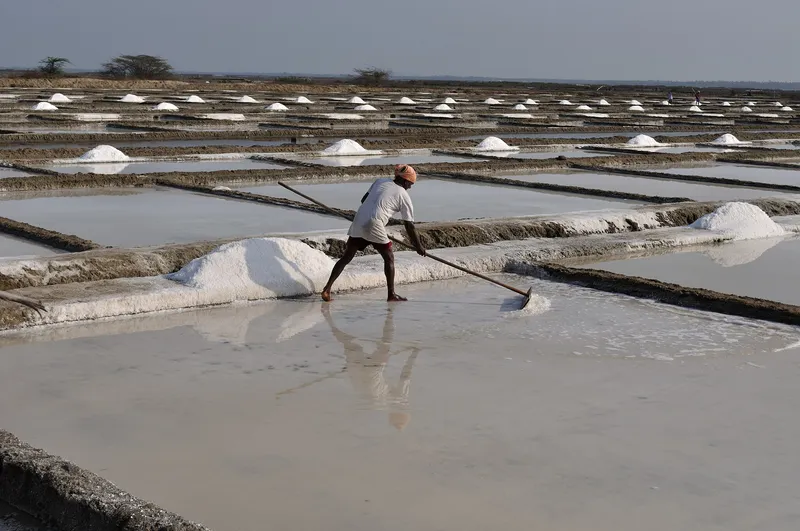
(491, 101)
(344, 147)
(277, 107)
(406, 101)
(603, 103)
(258, 268)
(247, 99)
(492, 143)
(740, 221)
(643, 141)
(104, 153)
(342, 116)
(366, 107)
(164, 106)
(356, 100)
(195, 99)
(636, 108)
(131, 98)
(44, 106)
(443, 107)
(59, 98)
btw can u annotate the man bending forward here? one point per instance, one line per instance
(385, 198)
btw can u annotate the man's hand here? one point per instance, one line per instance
(421, 251)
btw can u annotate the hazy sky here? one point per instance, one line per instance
(576, 39)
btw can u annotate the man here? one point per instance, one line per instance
(384, 198)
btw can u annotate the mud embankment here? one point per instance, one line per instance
(66, 496)
(677, 295)
(56, 240)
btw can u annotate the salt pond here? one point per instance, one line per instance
(364, 415)
(649, 186)
(376, 160)
(576, 153)
(11, 247)
(12, 172)
(764, 268)
(165, 166)
(746, 173)
(437, 200)
(148, 216)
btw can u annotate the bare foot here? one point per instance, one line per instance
(326, 295)
(396, 298)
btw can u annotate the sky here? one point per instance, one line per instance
(675, 40)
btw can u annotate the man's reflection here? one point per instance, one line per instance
(366, 371)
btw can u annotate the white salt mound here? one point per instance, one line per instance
(131, 98)
(277, 107)
(356, 100)
(443, 107)
(195, 99)
(777, 104)
(635, 102)
(604, 103)
(344, 147)
(666, 103)
(537, 305)
(366, 107)
(303, 99)
(258, 268)
(530, 102)
(492, 143)
(740, 221)
(726, 104)
(449, 101)
(246, 99)
(787, 109)
(491, 101)
(695, 108)
(164, 106)
(583, 108)
(643, 141)
(727, 139)
(104, 153)
(636, 108)
(406, 101)
(565, 102)
(746, 109)
(44, 106)
(520, 107)
(221, 189)
(751, 104)
(59, 98)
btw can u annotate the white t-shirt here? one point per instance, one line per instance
(384, 200)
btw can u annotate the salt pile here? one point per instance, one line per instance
(726, 104)
(164, 106)
(406, 101)
(727, 139)
(449, 101)
(131, 98)
(356, 100)
(443, 107)
(643, 141)
(787, 109)
(777, 104)
(530, 102)
(492, 143)
(604, 103)
(751, 104)
(695, 108)
(44, 106)
(636, 108)
(491, 101)
(344, 147)
(565, 102)
(104, 153)
(666, 103)
(221, 189)
(303, 99)
(59, 98)
(583, 108)
(740, 221)
(195, 99)
(247, 99)
(366, 107)
(746, 109)
(520, 107)
(258, 268)
(277, 107)
(635, 102)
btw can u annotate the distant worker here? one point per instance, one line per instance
(669, 96)
(697, 98)
(384, 198)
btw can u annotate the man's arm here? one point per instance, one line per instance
(414, 237)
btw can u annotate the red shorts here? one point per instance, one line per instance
(361, 244)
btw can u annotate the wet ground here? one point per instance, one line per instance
(649, 186)
(765, 268)
(437, 200)
(447, 412)
(745, 173)
(146, 216)
(166, 166)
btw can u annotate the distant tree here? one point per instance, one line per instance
(138, 67)
(53, 66)
(372, 76)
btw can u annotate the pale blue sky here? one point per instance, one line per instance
(576, 39)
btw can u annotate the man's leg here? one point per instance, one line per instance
(388, 269)
(353, 246)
